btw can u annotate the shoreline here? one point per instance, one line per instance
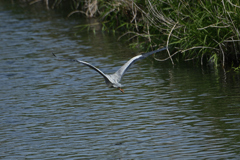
(206, 32)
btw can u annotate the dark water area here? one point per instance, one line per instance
(54, 109)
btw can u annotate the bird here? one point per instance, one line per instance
(113, 80)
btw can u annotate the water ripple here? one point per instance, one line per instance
(59, 110)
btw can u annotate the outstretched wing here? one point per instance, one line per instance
(85, 63)
(120, 72)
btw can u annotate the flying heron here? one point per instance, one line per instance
(112, 80)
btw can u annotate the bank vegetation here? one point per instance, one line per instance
(206, 31)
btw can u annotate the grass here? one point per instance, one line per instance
(203, 30)
(195, 30)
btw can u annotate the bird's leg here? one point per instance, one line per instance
(121, 89)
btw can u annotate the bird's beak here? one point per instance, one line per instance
(121, 90)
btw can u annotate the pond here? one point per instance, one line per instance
(53, 109)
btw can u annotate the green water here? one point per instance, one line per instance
(54, 109)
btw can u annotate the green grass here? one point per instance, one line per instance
(202, 30)
(199, 30)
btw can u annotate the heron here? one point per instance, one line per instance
(113, 80)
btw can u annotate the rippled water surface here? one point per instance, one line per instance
(53, 109)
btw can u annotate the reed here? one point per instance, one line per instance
(198, 30)
(203, 30)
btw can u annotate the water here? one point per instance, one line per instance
(54, 109)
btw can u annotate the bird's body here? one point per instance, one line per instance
(113, 80)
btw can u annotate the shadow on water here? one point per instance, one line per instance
(57, 109)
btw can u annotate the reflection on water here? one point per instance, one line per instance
(56, 109)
